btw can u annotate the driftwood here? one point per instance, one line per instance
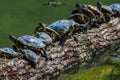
(89, 44)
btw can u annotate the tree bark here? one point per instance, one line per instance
(90, 44)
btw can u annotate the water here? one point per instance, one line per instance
(21, 17)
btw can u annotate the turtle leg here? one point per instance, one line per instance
(67, 35)
(47, 57)
(107, 17)
(62, 40)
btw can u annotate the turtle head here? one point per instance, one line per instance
(42, 24)
(41, 27)
(13, 38)
(99, 5)
(79, 6)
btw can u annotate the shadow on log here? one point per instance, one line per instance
(90, 44)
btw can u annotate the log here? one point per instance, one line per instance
(90, 44)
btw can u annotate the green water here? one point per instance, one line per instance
(20, 17)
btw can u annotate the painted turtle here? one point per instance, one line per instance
(66, 28)
(8, 52)
(29, 42)
(63, 27)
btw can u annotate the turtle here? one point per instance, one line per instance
(43, 28)
(64, 28)
(116, 9)
(104, 8)
(82, 9)
(29, 42)
(54, 3)
(30, 56)
(99, 15)
(44, 37)
(8, 52)
(106, 11)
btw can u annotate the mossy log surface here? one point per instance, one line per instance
(87, 47)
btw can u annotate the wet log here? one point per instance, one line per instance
(89, 45)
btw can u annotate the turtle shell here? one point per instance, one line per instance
(94, 10)
(79, 18)
(115, 8)
(107, 8)
(30, 55)
(31, 41)
(8, 52)
(44, 37)
(62, 26)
